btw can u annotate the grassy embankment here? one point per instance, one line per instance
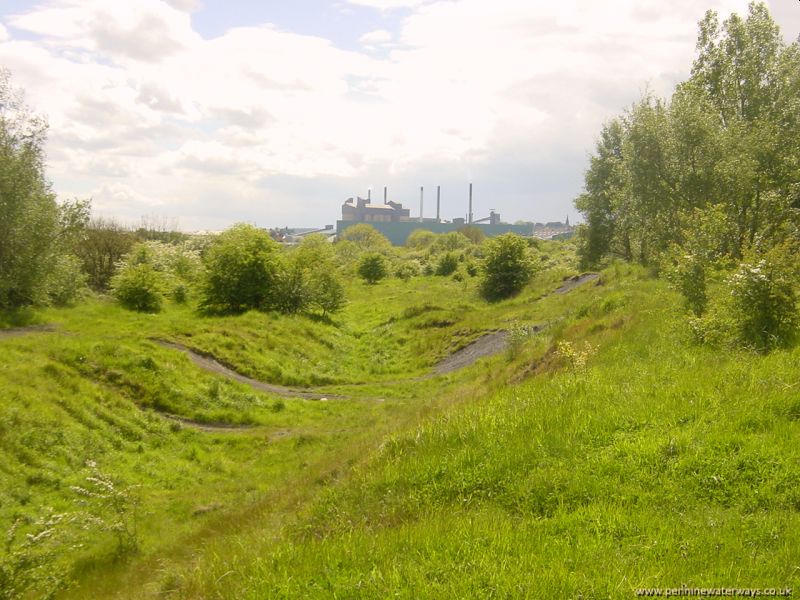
(657, 464)
(99, 389)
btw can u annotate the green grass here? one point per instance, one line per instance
(659, 464)
(530, 474)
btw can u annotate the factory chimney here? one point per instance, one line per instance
(421, 189)
(438, 203)
(384, 194)
(369, 195)
(469, 218)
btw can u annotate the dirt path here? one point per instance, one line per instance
(487, 345)
(575, 281)
(18, 331)
(210, 364)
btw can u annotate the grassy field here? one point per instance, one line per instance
(600, 453)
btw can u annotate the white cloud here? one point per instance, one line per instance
(386, 5)
(207, 127)
(378, 37)
(3, 33)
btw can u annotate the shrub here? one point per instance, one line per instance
(447, 264)
(764, 304)
(407, 270)
(372, 268)
(507, 267)
(420, 239)
(473, 234)
(688, 276)
(242, 268)
(366, 237)
(139, 287)
(327, 292)
(66, 280)
(450, 242)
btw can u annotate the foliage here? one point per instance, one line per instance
(764, 303)
(31, 566)
(507, 266)
(725, 144)
(449, 242)
(110, 506)
(420, 239)
(447, 264)
(139, 287)
(473, 234)
(66, 281)
(327, 291)
(688, 275)
(103, 245)
(372, 267)
(29, 215)
(366, 237)
(407, 269)
(243, 266)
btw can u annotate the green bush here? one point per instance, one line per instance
(507, 266)
(66, 280)
(366, 237)
(764, 304)
(139, 287)
(688, 276)
(243, 266)
(407, 270)
(372, 267)
(420, 239)
(327, 292)
(447, 264)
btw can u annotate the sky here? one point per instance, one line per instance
(204, 113)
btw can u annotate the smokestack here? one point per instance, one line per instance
(369, 195)
(384, 194)
(438, 202)
(469, 218)
(420, 203)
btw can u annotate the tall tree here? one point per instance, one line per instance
(29, 214)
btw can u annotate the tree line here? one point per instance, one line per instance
(706, 184)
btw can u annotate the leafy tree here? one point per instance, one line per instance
(102, 246)
(420, 239)
(449, 242)
(29, 214)
(507, 266)
(327, 291)
(366, 237)
(473, 234)
(372, 267)
(242, 269)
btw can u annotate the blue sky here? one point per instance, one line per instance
(211, 112)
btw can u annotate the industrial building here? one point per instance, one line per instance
(396, 223)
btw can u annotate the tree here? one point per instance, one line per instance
(419, 239)
(507, 267)
(366, 237)
(372, 267)
(103, 245)
(243, 265)
(29, 214)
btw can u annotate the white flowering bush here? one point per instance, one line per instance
(763, 304)
(756, 306)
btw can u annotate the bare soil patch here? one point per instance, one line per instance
(18, 331)
(573, 282)
(487, 345)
